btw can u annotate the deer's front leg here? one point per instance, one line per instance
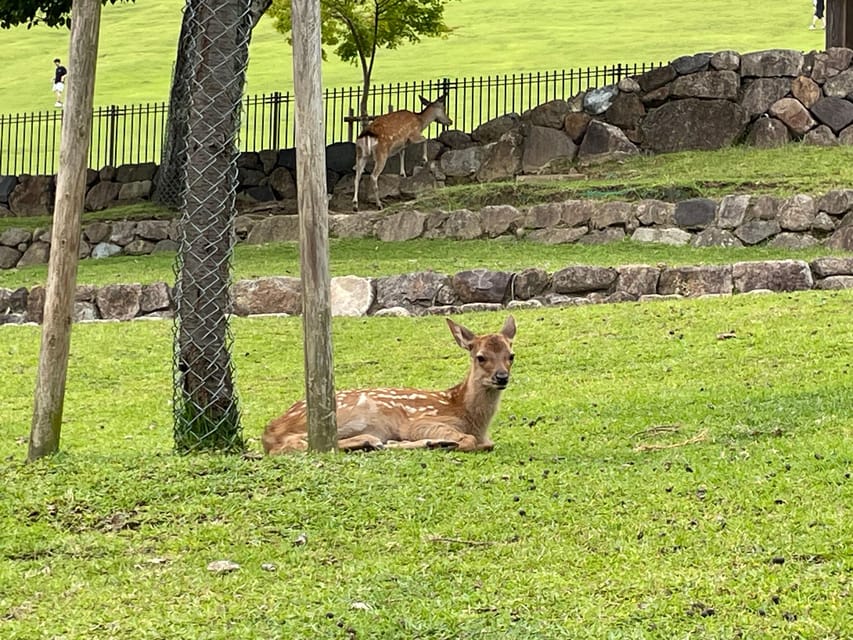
(403, 162)
(438, 434)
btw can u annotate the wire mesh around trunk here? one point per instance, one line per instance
(206, 409)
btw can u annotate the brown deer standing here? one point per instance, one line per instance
(390, 133)
(412, 418)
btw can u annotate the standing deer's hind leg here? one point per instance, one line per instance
(360, 162)
(379, 161)
(361, 156)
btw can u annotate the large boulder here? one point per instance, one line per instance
(405, 225)
(481, 285)
(549, 114)
(119, 301)
(626, 112)
(142, 172)
(462, 163)
(267, 295)
(604, 142)
(282, 183)
(597, 101)
(839, 86)
(32, 196)
(463, 225)
(8, 257)
(543, 145)
(797, 213)
(502, 159)
(350, 295)
(274, 229)
(792, 112)
(492, 130)
(414, 292)
(836, 113)
(696, 281)
(768, 133)
(755, 231)
(772, 62)
(496, 220)
(102, 195)
(583, 278)
(7, 185)
(694, 124)
(722, 85)
(695, 213)
(760, 93)
(340, 157)
(805, 90)
(774, 275)
(638, 280)
(656, 78)
(36, 253)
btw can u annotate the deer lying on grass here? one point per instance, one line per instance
(390, 133)
(457, 418)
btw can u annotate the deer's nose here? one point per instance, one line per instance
(502, 378)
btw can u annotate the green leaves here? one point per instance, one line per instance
(355, 29)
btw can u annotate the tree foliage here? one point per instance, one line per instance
(356, 29)
(53, 13)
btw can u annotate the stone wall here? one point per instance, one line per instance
(796, 222)
(428, 292)
(702, 101)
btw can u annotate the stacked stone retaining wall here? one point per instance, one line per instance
(428, 292)
(797, 222)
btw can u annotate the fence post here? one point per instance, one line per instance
(112, 132)
(275, 125)
(350, 124)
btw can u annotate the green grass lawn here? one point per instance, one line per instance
(138, 42)
(650, 480)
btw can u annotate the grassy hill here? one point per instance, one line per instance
(490, 37)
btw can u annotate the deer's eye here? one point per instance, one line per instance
(481, 359)
(512, 357)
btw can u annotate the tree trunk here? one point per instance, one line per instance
(65, 237)
(365, 77)
(207, 416)
(170, 180)
(839, 23)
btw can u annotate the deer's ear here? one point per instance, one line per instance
(464, 337)
(508, 330)
(424, 101)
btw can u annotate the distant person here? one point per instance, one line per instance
(819, 7)
(59, 81)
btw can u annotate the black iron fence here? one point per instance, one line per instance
(130, 134)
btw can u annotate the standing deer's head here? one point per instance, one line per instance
(436, 110)
(491, 354)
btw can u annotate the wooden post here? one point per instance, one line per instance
(313, 226)
(65, 238)
(839, 23)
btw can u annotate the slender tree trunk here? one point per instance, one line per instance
(313, 226)
(365, 92)
(65, 237)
